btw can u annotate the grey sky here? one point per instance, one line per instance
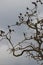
(9, 11)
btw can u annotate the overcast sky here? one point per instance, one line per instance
(9, 11)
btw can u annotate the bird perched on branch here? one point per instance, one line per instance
(34, 3)
(1, 32)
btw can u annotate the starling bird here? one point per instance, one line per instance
(27, 8)
(24, 34)
(8, 26)
(34, 3)
(1, 32)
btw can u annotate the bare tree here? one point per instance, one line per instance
(33, 49)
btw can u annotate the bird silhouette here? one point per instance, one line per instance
(34, 3)
(24, 34)
(2, 32)
(8, 26)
